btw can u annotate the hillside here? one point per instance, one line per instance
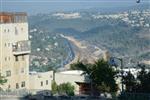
(122, 34)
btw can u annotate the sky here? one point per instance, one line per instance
(43, 6)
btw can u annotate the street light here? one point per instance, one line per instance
(91, 81)
(112, 62)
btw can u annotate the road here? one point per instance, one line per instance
(81, 51)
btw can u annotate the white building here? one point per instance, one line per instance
(40, 81)
(14, 50)
(43, 80)
(71, 76)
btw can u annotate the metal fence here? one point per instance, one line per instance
(26, 95)
(14, 93)
(134, 96)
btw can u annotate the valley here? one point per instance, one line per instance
(60, 38)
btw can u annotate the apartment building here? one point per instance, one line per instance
(14, 50)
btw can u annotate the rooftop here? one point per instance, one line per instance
(72, 72)
(13, 17)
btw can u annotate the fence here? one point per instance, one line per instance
(135, 96)
(18, 95)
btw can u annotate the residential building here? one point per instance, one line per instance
(40, 81)
(71, 76)
(14, 50)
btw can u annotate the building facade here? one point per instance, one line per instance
(40, 81)
(14, 59)
(14, 50)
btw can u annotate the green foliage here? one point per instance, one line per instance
(104, 75)
(2, 80)
(54, 87)
(130, 82)
(100, 73)
(66, 88)
(141, 84)
(81, 66)
(45, 54)
(144, 78)
(63, 89)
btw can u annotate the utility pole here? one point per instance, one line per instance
(122, 87)
(121, 61)
(91, 83)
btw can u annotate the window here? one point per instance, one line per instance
(9, 86)
(9, 58)
(5, 58)
(41, 83)
(5, 44)
(5, 30)
(17, 71)
(8, 73)
(22, 70)
(51, 76)
(16, 58)
(17, 86)
(16, 31)
(8, 44)
(46, 82)
(23, 57)
(21, 29)
(23, 84)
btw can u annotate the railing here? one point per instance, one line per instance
(22, 47)
(135, 96)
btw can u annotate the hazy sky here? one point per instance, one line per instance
(43, 6)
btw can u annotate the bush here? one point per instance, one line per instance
(63, 89)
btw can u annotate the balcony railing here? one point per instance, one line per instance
(22, 47)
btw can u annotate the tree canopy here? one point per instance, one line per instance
(139, 84)
(63, 89)
(100, 73)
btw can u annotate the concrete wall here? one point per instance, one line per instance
(35, 80)
(41, 81)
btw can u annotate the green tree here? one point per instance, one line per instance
(54, 87)
(130, 81)
(66, 88)
(141, 84)
(63, 89)
(144, 81)
(86, 68)
(104, 75)
(100, 73)
(2, 80)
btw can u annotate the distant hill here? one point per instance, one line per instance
(123, 33)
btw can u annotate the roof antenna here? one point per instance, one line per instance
(137, 1)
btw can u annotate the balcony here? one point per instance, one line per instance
(22, 48)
